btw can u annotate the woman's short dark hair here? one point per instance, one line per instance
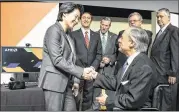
(68, 7)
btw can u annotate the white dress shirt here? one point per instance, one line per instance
(104, 35)
(129, 61)
(84, 30)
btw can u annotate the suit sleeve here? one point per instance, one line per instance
(98, 58)
(105, 82)
(114, 55)
(116, 43)
(139, 89)
(150, 37)
(174, 47)
(55, 49)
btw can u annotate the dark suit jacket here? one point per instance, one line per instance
(135, 89)
(58, 62)
(165, 53)
(92, 55)
(110, 52)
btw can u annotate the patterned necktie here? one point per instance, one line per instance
(124, 68)
(103, 43)
(159, 33)
(86, 39)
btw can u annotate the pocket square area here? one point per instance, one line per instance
(124, 82)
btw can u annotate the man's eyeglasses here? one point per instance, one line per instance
(133, 21)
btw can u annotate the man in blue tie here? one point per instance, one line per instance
(164, 53)
(135, 81)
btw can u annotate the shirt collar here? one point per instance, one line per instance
(165, 27)
(84, 30)
(131, 58)
(105, 35)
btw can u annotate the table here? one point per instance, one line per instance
(29, 99)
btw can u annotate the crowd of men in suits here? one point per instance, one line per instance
(163, 54)
(119, 74)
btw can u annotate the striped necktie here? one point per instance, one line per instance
(86, 39)
(159, 33)
(124, 68)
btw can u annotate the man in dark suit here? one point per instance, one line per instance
(165, 54)
(89, 50)
(58, 64)
(134, 19)
(136, 80)
(109, 50)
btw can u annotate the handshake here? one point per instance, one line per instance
(89, 73)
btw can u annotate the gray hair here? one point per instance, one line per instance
(167, 11)
(136, 13)
(107, 19)
(139, 37)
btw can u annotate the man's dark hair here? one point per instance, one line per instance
(87, 13)
(68, 7)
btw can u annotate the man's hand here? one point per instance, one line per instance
(102, 99)
(102, 64)
(94, 74)
(106, 60)
(75, 89)
(87, 73)
(171, 80)
(92, 68)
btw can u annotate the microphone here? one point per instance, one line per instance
(12, 79)
(28, 45)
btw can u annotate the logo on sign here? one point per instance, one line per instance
(11, 50)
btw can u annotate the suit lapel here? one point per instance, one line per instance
(69, 41)
(128, 71)
(125, 76)
(160, 38)
(131, 66)
(92, 39)
(72, 46)
(74, 52)
(108, 42)
(64, 34)
(119, 75)
(82, 38)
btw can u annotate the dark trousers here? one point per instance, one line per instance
(85, 96)
(169, 98)
(177, 97)
(56, 101)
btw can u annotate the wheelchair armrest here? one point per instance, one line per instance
(116, 109)
(162, 85)
(157, 96)
(149, 109)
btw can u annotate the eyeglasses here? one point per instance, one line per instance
(133, 20)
